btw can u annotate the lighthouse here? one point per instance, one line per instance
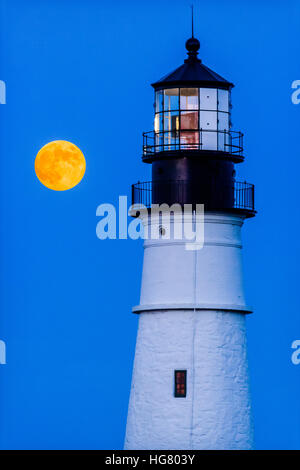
(190, 382)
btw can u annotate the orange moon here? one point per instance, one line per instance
(60, 165)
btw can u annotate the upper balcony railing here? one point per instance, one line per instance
(230, 143)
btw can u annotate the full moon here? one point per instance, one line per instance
(60, 165)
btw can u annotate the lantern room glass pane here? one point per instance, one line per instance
(189, 140)
(223, 128)
(208, 132)
(159, 142)
(208, 120)
(223, 99)
(189, 120)
(208, 98)
(223, 121)
(171, 99)
(171, 130)
(171, 121)
(158, 123)
(189, 134)
(159, 97)
(208, 140)
(189, 98)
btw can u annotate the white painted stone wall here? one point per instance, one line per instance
(192, 316)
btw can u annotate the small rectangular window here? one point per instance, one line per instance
(180, 383)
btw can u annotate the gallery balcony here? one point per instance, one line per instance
(193, 143)
(237, 197)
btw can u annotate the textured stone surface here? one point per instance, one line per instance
(216, 412)
(209, 344)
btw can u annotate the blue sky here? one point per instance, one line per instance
(81, 71)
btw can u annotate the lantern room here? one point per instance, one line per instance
(192, 112)
(188, 118)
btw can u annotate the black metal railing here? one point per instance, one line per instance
(244, 195)
(230, 142)
(142, 193)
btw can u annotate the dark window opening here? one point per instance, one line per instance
(180, 383)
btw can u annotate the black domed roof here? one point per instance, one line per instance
(192, 72)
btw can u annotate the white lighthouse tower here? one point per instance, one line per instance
(190, 384)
